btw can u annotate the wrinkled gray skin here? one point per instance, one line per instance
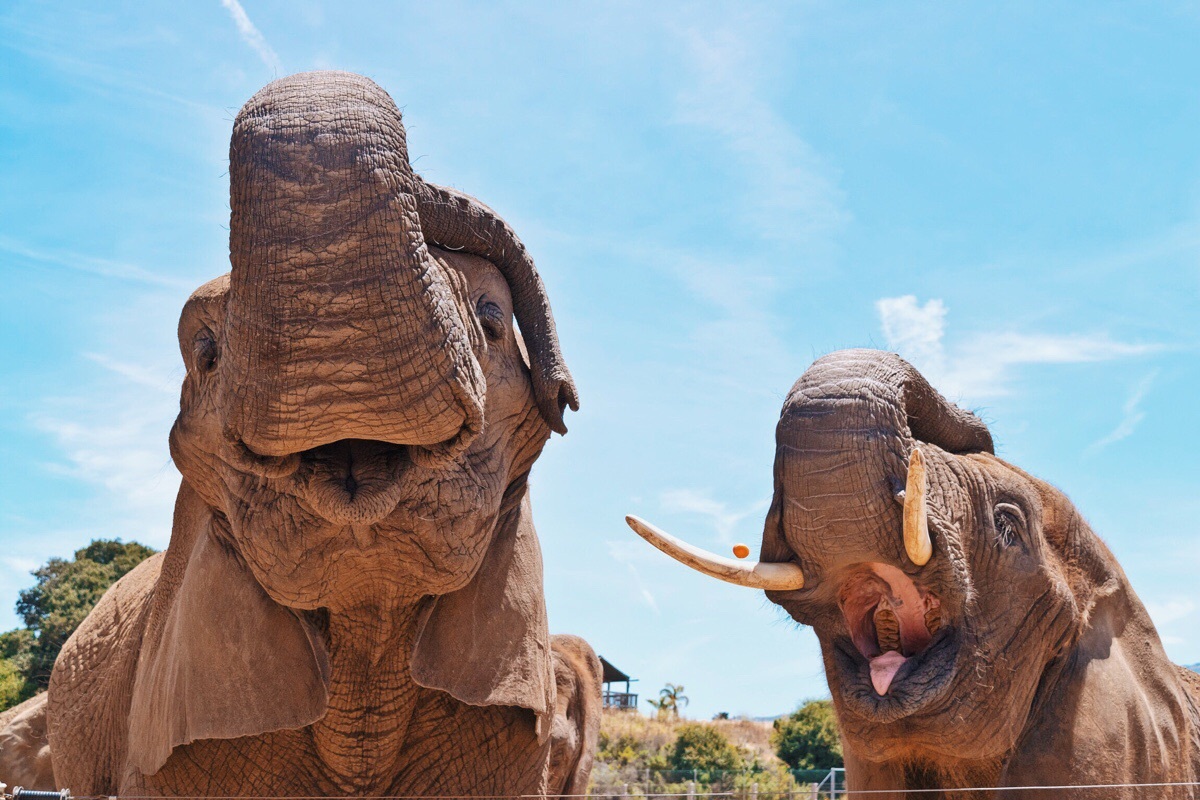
(351, 603)
(1043, 667)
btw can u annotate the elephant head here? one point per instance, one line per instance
(358, 418)
(951, 592)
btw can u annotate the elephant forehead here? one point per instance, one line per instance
(481, 276)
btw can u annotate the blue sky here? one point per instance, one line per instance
(715, 195)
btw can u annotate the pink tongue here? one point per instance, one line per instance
(884, 669)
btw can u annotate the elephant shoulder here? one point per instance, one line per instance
(92, 683)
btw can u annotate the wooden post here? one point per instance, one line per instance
(754, 791)
(691, 790)
(815, 787)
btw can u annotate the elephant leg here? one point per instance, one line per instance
(24, 748)
(576, 727)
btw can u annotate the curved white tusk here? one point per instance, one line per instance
(916, 511)
(777, 576)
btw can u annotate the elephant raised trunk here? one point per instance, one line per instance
(339, 323)
(846, 438)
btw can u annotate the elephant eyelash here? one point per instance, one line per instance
(204, 350)
(491, 318)
(1008, 522)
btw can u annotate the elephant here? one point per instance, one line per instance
(975, 632)
(351, 602)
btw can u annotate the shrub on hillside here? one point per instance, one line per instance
(705, 751)
(808, 737)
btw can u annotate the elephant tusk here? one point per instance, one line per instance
(774, 576)
(916, 511)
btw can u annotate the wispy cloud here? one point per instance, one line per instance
(139, 374)
(1166, 613)
(126, 456)
(102, 267)
(1132, 415)
(628, 553)
(724, 519)
(18, 564)
(792, 193)
(115, 439)
(252, 36)
(983, 364)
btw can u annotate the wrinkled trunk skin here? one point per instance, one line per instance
(340, 324)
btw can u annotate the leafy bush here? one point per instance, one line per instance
(704, 750)
(65, 593)
(808, 737)
(12, 685)
(637, 759)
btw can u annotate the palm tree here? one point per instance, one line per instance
(669, 699)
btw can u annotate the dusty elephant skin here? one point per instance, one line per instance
(352, 600)
(975, 631)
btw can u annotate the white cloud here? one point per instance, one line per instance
(252, 35)
(792, 194)
(136, 373)
(982, 365)
(1174, 609)
(914, 330)
(19, 564)
(723, 519)
(1133, 415)
(115, 439)
(627, 553)
(103, 267)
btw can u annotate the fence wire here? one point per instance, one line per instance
(698, 794)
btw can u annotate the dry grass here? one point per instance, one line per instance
(654, 733)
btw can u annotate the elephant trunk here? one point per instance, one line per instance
(339, 322)
(458, 221)
(847, 450)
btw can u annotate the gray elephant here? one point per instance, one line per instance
(351, 602)
(975, 631)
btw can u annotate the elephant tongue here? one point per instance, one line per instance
(883, 670)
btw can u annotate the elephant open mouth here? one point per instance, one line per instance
(900, 649)
(353, 481)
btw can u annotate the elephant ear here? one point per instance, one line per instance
(488, 643)
(220, 659)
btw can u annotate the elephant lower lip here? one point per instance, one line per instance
(914, 686)
(352, 481)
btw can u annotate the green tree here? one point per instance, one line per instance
(669, 699)
(65, 592)
(808, 737)
(706, 751)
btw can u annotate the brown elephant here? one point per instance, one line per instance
(351, 602)
(975, 631)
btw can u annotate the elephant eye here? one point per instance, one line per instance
(204, 350)
(491, 318)
(1009, 522)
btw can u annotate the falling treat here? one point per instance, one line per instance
(740, 550)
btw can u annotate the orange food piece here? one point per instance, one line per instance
(740, 550)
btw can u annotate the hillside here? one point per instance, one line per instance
(647, 755)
